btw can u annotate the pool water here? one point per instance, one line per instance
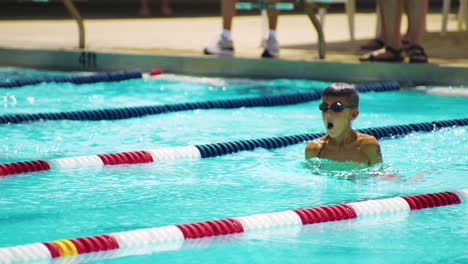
(52, 205)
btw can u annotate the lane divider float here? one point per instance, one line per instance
(209, 150)
(157, 237)
(78, 79)
(139, 111)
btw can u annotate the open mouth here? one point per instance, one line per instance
(329, 125)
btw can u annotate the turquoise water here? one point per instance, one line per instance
(46, 206)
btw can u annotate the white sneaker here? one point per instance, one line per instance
(220, 46)
(271, 48)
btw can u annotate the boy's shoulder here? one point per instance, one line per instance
(367, 141)
(316, 144)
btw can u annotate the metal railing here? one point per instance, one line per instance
(76, 15)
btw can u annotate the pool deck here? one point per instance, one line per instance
(175, 45)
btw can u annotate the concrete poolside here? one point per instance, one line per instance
(168, 39)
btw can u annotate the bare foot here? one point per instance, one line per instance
(373, 44)
(386, 54)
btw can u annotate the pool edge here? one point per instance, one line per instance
(77, 60)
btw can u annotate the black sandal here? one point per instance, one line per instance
(373, 56)
(405, 44)
(417, 54)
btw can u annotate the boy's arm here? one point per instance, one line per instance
(311, 150)
(372, 148)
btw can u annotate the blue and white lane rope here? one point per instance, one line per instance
(77, 79)
(131, 112)
(208, 150)
(172, 237)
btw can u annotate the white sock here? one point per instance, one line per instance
(226, 34)
(272, 33)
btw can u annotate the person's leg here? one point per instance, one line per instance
(273, 16)
(223, 44)
(228, 11)
(378, 42)
(271, 43)
(144, 8)
(405, 38)
(417, 10)
(391, 23)
(166, 9)
(391, 19)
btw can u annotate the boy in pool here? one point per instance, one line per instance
(339, 107)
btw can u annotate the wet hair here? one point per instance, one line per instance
(343, 90)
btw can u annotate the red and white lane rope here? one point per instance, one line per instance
(172, 236)
(144, 156)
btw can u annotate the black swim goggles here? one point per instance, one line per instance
(336, 107)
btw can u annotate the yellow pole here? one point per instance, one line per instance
(76, 15)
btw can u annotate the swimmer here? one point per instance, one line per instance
(339, 108)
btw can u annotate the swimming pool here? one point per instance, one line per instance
(77, 202)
